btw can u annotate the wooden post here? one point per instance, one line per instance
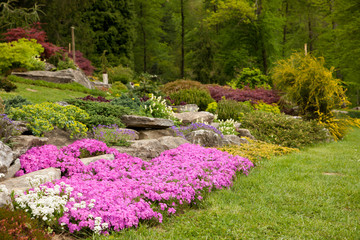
(73, 43)
(69, 47)
(305, 47)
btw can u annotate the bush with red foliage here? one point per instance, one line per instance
(245, 94)
(94, 99)
(36, 32)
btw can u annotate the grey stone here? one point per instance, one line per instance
(89, 160)
(132, 121)
(6, 157)
(191, 117)
(356, 108)
(20, 126)
(232, 140)
(185, 108)
(157, 133)
(13, 169)
(171, 142)
(244, 141)
(59, 137)
(100, 85)
(245, 133)
(205, 138)
(49, 66)
(23, 143)
(62, 76)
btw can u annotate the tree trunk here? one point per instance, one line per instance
(144, 40)
(311, 35)
(285, 27)
(182, 40)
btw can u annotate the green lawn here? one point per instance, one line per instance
(314, 194)
(38, 94)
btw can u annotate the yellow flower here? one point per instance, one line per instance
(136, 85)
(133, 98)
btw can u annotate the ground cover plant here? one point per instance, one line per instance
(112, 195)
(182, 131)
(312, 194)
(113, 135)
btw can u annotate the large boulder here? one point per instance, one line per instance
(89, 160)
(62, 76)
(156, 133)
(185, 108)
(133, 121)
(245, 133)
(205, 138)
(148, 149)
(22, 143)
(59, 137)
(191, 117)
(12, 170)
(26, 181)
(6, 157)
(232, 140)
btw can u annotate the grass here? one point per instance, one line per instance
(39, 94)
(313, 194)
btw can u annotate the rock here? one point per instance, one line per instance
(62, 76)
(356, 108)
(215, 125)
(49, 66)
(185, 108)
(154, 134)
(232, 140)
(148, 149)
(244, 141)
(13, 169)
(20, 127)
(101, 85)
(62, 103)
(205, 138)
(132, 121)
(6, 157)
(245, 133)
(26, 181)
(59, 137)
(191, 117)
(23, 143)
(89, 160)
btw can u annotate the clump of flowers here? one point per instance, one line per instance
(227, 127)
(113, 135)
(184, 130)
(43, 117)
(7, 128)
(157, 107)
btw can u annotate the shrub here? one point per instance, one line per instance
(15, 225)
(113, 135)
(157, 107)
(22, 53)
(230, 109)
(65, 63)
(212, 107)
(252, 78)
(283, 130)
(353, 113)
(257, 151)
(228, 127)
(7, 85)
(2, 106)
(125, 100)
(101, 113)
(245, 94)
(120, 74)
(196, 96)
(94, 99)
(117, 89)
(261, 106)
(83, 63)
(309, 84)
(43, 117)
(181, 84)
(15, 102)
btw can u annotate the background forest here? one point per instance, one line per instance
(210, 41)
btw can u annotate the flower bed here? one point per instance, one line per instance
(113, 195)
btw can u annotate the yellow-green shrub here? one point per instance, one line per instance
(231, 109)
(212, 107)
(196, 96)
(261, 106)
(182, 84)
(43, 117)
(257, 150)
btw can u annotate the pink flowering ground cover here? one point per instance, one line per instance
(113, 195)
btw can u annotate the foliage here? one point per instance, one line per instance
(22, 53)
(113, 135)
(212, 107)
(230, 109)
(181, 84)
(2, 106)
(65, 63)
(74, 86)
(146, 84)
(7, 85)
(353, 113)
(228, 127)
(183, 131)
(43, 117)
(83, 63)
(245, 94)
(257, 151)
(15, 102)
(126, 100)
(252, 78)
(117, 89)
(120, 74)
(157, 107)
(16, 224)
(94, 99)
(283, 130)
(7, 128)
(309, 84)
(196, 96)
(101, 113)
(261, 106)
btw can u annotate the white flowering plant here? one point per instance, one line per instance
(227, 127)
(157, 107)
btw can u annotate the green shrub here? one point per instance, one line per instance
(15, 102)
(231, 109)
(212, 107)
(181, 84)
(118, 89)
(227, 127)
(113, 135)
(101, 113)
(65, 63)
(7, 85)
(43, 117)
(196, 96)
(309, 84)
(120, 74)
(353, 113)
(252, 78)
(283, 130)
(22, 53)
(157, 107)
(17, 224)
(261, 106)
(125, 100)
(2, 106)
